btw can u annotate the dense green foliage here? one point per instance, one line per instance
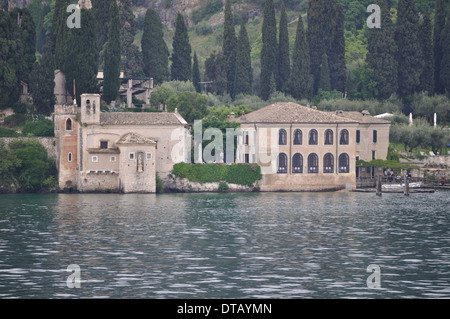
(324, 81)
(196, 74)
(41, 127)
(241, 174)
(439, 25)
(111, 81)
(190, 105)
(154, 50)
(425, 36)
(445, 63)
(26, 165)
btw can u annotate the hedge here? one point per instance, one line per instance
(241, 174)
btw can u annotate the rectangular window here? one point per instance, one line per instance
(131, 155)
(375, 136)
(358, 136)
(373, 155)
(94, 159)
(103, 144)
(113, 158)
(247, 158)
(246, 142)
(69, 157)
(148, 156)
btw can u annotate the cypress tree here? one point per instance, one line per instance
(427, 76)
(229, 49)
(111, 82)
(215, 72)
(324, 82)
(301, 77)
(336, 54)
(445, 64)
(101, 9)
(319, 34)
(439, 25)
(42, 82)
(244, 72)
(154, 49)
(196, 74)
(382, 52)
(409, 56)
(269, 56)
(59, 32)
(180, 68)
(284, 63)
(81, 63)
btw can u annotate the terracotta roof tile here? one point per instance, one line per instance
(288, 112)
(362, 117)
(142, 118)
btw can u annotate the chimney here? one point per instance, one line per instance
(365, 112)
(340, 113)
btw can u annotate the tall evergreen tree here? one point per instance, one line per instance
(42, 82)
(410, 63)
(324, 82)
(196, 74)
(215, 72)
(382, 54)
(24, 35)
(111, 82)
(439, 25)
(284, 63)
(102, 19)
(59, 32)
(229, 49)
(154, 49)
(427, 76)
(269, 51)
(180, 68)
(301, 77)
(336, 54)
(81, 62)
(445, 63)
(244, 72)
(319, 34)
(9, 83)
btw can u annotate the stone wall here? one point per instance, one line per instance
(47, 142)
(183, 185)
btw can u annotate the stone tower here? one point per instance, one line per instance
(90, 108)
(66, 138)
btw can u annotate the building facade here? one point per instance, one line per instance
(115, 151)
(302, 149)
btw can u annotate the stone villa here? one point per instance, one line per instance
(302, 149)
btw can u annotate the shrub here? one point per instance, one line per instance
(241, 174)
(6, 132)
(42, 127)
(223, 187)
(15, 120)
(159, 185)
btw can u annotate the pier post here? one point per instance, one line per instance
(379, 192)
(406, 188)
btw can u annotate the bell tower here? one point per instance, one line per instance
(90, 108)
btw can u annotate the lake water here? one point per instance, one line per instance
(258, 245)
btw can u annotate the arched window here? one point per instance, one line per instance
(344, 163)
(344, 137)
(282, 137)
(313, 137)
(313, 163)
(282, 163)
(68, 125)
(298, 137)
(328, 137)
(297, 164)
(328, 163)
(69, 157)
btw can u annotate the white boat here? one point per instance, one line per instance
(401, 186)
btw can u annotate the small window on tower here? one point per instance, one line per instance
(69, 125)
(94, 159)
(69, 159)
(104, 144)
(131, 156)
(149, 156)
